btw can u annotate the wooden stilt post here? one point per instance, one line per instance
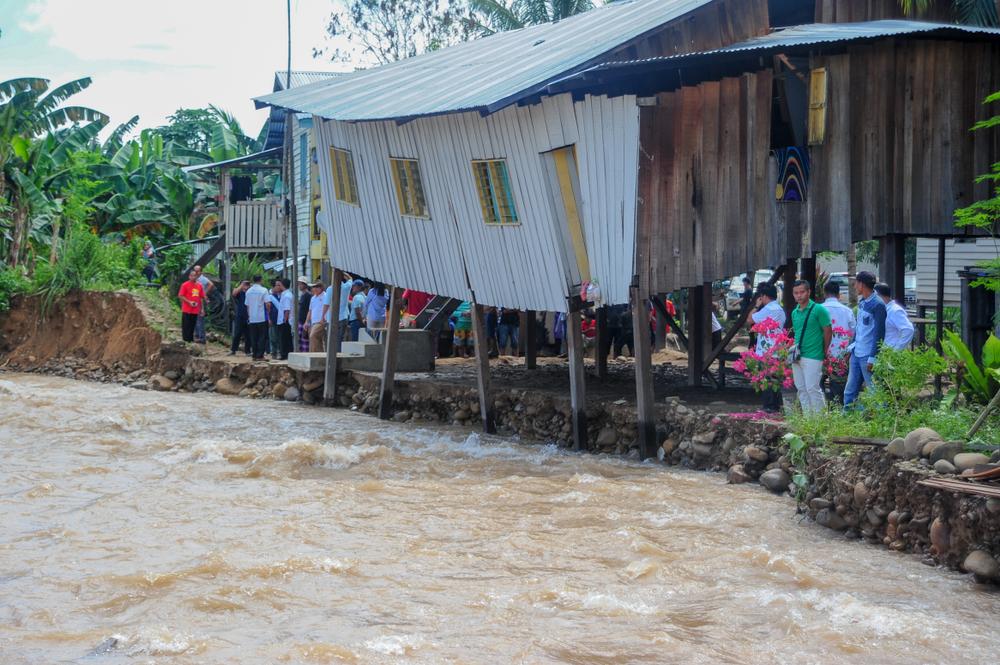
(696, 334)
(807, 271)
(522, 332)
(660, 331)
(577, 387)
(486, 411)
(787, 299)
(389, 358)
(939, 309)
(892, 268)
(601, 343)
(643, 377)
(333, 333)
(530, 341)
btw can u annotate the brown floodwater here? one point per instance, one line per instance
(168, 528)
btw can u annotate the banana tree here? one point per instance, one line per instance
(968, 12)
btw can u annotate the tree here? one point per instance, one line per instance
(492, 16)
(384, 31)
(969, 12)
(190, 128)
(985, 214)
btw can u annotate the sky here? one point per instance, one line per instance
(151, 57)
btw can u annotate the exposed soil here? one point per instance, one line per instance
(105, 328)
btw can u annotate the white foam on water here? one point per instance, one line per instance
(157, 641)
(394, 645)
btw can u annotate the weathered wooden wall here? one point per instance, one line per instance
(853, 11)
(705, 191)
(898, 155)
(715, 25)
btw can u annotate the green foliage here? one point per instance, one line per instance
(245, 266)
(172, 264)
(797, 449)
(12, 282)
(969, 12)
(491, 16)
(979, 382)
(902, 376)
(85, 262)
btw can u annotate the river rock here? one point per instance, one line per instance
(668, 446)
(947, 451)
(831, 520)
(943, 466)
(819, 503)
(312, 385)
(981, 564)
(897, 448)
(291, 394)
(401, 416)
(704, 437)
(965, 461)
(756, 454)
(228, 386)
(461, 414)
(993, 505)
(775, 480)
(607, 437)
(160, 382)
(860, 494)
(702, 450)
(738, 475)
(172, 374)
(915, 441)
(940, 536)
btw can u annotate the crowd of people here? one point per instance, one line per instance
(827, 330)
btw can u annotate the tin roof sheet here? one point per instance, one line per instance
(485, 74)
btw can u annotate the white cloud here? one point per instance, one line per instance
(150, 57)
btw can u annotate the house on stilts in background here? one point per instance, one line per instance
(648, 146)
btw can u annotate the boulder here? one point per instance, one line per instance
(702, 450)
(819, 503)
(668, 446)
(228, 386)
(776, 480)
(461, 414)
(930, 447)
(831, 520)
(983, 565)
(860, 494)
(172, 374)
(312, 385)
(704, 437)
(161, 382)
(401, 416)
(940, 536)
(738, 475)
(291, 394)
(965, 461)
(944, 466)
(756, 454)
(915, 441)
(993, 505)
(947, 451)
(278, 390)
(897, 449)
(607, 437)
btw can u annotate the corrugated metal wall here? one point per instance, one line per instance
(301, 130)
(957, 255)
(511, 266)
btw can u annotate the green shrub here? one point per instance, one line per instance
(172, 264)
(245, 266)
(12, 283)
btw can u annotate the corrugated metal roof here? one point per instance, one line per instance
(276, 119)
(485, 74)
(270, 153)
(811, 34)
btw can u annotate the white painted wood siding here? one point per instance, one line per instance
(302, 206)
(509, 266)
(957, 255)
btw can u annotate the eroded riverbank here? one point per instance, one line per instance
(195, 528)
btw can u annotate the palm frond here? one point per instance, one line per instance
(976, 12)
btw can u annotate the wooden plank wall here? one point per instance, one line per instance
(705, 186)
(898, 156)
(516, 266)
(853, 11)
(712, 26)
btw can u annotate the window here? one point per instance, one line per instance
(345, 185)
(493, 185)
(817, 106)
(409, 189)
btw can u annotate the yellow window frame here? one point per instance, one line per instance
(496, 198)
(409, 187)
(345, 182)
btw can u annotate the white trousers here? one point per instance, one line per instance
(807, 374)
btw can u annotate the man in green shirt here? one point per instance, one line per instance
(813, 332)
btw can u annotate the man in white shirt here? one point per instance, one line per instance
(898, 328)
(256, 300)
(767, 307)
(315, 323)
(842, 319)
(346, 286)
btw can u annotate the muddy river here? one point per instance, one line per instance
(143, 527)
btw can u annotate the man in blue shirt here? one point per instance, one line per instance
(868, 336)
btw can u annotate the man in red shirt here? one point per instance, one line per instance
(192, 295)
(415, 301)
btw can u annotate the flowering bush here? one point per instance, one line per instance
(769, 369)
(835, 364)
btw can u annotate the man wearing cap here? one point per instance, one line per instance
(303, 311)
(315, 324)
(868, 335)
